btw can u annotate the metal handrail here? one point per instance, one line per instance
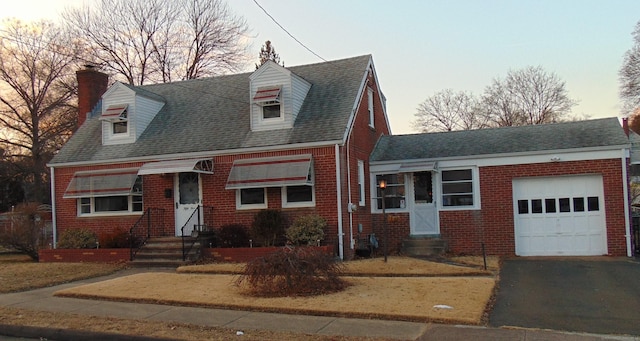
(204, 222)
(142, 229)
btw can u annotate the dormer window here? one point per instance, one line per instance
(268, 98)
(117, 116)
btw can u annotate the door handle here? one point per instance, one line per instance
(176, 205)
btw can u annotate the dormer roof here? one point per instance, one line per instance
(212, 115)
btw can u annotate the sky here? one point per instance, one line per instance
(421, 47)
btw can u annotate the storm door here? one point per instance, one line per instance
(188, 197)
(424, 214)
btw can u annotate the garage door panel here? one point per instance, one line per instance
(559, 216)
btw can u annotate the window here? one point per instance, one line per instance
(251, 198)
(101, 205)
(394, 194)
(117, 116)
(120, 127)
(268, 98)
(370, 107)
(361, 193)
(523, 206)
(298, 196)
(271, 111)
(457, 188)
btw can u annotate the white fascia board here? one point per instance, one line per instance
(206, 154)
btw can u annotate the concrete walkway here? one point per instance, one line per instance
(43, 300)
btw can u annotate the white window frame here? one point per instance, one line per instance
(361, 184)
(374, 193)
(82, 202)
(240, 206)
(287, 204)
(370, 107)
(271, 119)
(475, 187)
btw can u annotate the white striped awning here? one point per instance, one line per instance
(102, 183)
(115, 112)
(271, 172)
(178, 166)
(267, 95)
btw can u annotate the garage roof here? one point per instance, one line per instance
(606, 132)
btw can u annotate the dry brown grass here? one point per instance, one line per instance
(19, 273)
(422, 290)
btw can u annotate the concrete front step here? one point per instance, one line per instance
(164, 252)
(424, 246)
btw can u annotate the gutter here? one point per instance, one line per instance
(339, 203)
(625, 188)
(53, 209)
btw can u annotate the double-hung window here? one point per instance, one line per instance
(394, 193)
(459, 189)
(251, 198)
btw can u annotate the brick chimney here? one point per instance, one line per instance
(91, 85)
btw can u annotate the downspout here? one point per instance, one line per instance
(625, 183)
(349, 202)
(339, 203)
(53, 208)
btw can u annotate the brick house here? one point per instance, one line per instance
(555, 189)
(220, 149)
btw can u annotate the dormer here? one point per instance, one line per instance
(277, 95)
(126, 113)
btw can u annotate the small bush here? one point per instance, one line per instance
(307, 230)
(77, 239)
(268, 227)
(117, 240)
(233, 235)
(293, 271)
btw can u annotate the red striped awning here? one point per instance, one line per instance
(102, 183)
(269, 94)
(271, 172)
(115, 112)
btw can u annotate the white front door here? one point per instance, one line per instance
(187, 198)
(424, 214)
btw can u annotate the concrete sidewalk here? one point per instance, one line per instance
(43, 300)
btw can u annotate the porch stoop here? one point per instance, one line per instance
(424, 246)
(165, 252)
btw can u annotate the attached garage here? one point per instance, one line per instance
(561, 216)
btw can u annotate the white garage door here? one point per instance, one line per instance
(559, 216)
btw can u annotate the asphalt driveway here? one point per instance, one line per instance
(592, 295)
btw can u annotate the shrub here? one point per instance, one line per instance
(233, 235)
(78, 239)
(307, 230)
(293, 271)
(118, 240)
(267, 227)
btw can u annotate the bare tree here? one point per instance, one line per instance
(37, 91)
(268, 52)
(629, 75)
(526, 96)
(145, 41)
(448, 110)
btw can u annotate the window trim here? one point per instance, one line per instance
(286, 204)
(240, 206)
(361, 184)
(92, 206)
(475, 187)
(370, 108)
(374, 193)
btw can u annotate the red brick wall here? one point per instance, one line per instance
(91, 85)
(84, 255)
(464, 229)
(360, 143)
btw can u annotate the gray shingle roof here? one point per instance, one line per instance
(213, 114)
(597, 133)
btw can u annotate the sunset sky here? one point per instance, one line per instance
(420, 47)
